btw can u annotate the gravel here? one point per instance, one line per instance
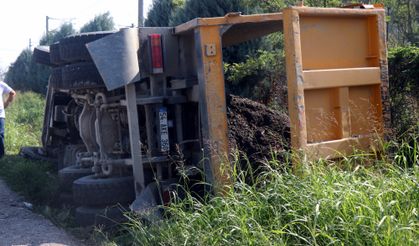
(20, 226)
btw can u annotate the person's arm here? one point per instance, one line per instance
(10, 98)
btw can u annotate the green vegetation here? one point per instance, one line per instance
(32, 179)
(329, 204)
(404, 87)
(24, 120)
(102, 22)
(161, 12)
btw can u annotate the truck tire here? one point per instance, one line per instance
(68, 175)
(73, 48)
(93, 191)
(55, 78)
(99, 216)
(83, 75)
(54, 54)
(41, 55)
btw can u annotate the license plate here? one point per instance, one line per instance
(164, 130)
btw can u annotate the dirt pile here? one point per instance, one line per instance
(255, 129)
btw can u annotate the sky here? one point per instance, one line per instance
(24, 20)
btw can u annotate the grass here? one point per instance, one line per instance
(357, 201)
(24, 119)
(32, 179)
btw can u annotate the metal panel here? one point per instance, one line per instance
(294, 69)
(327, 78)
(134, 135)
(213, 105)
(115, 57)
(336, 65)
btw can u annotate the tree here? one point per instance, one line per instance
(24, 74)
(161, 12)
(205, 8)
(53, 36)
(402, 22)
(102, 22)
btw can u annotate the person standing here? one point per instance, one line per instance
(4, 89)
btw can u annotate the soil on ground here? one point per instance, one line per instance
(256, 129)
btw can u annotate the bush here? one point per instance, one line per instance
(404, 88)
(261, 76)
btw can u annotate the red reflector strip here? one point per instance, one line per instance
(156, 53)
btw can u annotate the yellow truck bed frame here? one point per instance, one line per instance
(336, 64)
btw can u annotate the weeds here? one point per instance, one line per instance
(24, 120)
(342, 202)
(32, 179)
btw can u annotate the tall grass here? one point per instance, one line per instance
(32, 179)
(24, 119)
(345, 202)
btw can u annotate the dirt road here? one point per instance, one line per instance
(20, 226)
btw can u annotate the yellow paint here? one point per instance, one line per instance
(336, 63)
(212, 86)
(340, 74)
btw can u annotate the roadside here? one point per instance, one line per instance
(20, 226)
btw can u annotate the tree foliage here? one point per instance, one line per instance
(53, 36)
(102, 22)
(404, 87)
(403, 22)
(205, 8)
(161, 12)
(24, 74)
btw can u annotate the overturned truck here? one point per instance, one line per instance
(128, 112)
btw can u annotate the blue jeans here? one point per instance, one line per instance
(1, 137)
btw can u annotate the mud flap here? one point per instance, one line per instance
(116, 57)
(146, 204)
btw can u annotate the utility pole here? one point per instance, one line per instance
(30, 44)
(46, 27)
(140, 13)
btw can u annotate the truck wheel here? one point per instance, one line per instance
(94, 191)
(68, 175)
(41, 55)
(73, 48)
(54, 54)
(99, 216)
(82, 75)
(55, 78)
